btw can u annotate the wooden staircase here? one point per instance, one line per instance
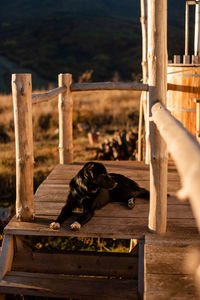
(79, 275)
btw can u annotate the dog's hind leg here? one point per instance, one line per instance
(141, 193)
(131, 203)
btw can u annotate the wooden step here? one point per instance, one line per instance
(166, 276)
(62, 286)
(81, 263)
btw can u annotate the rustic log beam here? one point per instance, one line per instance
(97, 86)
(38, 98)
(65, 108)
(22, 102)
(157, 65)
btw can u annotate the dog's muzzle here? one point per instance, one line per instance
(106, 181)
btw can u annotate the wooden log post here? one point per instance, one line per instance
(65, 108)
(144, 94)
(22, 102)
(157, 63)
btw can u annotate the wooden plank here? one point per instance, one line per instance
(136, 229)
(79, 263)
(166, 295)
(71, 287)
(173, 239)
(141, 269)
(172, 286)
(174, 212)
(94, 86)
(61, 198)
(6, 255)
(110, 166)
(41, 227)
(165, 260)
(112, 209)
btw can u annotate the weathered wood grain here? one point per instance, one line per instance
(74, 287)
(6, 255)
(172, 286)
(94, 86)
(48, 96)
(157, 71)
(22, 103)
(165, 260)
(79, 263)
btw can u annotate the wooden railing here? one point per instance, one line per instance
(23, 99)
(185, 151)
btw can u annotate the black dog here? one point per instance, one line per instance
(92, 188)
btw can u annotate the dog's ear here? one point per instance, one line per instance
(88, 170)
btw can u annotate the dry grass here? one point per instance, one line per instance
(102, 111)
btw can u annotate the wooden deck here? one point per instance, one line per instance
(159, 263)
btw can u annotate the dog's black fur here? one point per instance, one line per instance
(92, 188)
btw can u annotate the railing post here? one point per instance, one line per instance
(65, 108)
(144, 94)
(22, 102)
(157, 62)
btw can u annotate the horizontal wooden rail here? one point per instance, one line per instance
(186, 153)
(38, 98)
(92, 86)
(95, 86)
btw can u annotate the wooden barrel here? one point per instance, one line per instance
(183, 89)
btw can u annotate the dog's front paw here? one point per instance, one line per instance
(55, 225)
(131, 203)
(75, 226)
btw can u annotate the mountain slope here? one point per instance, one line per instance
(51, 36)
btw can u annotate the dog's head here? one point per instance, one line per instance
(97, 174)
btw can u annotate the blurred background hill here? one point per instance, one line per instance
(103, 37)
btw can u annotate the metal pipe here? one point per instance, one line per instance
(186, 28)
(197, 29)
